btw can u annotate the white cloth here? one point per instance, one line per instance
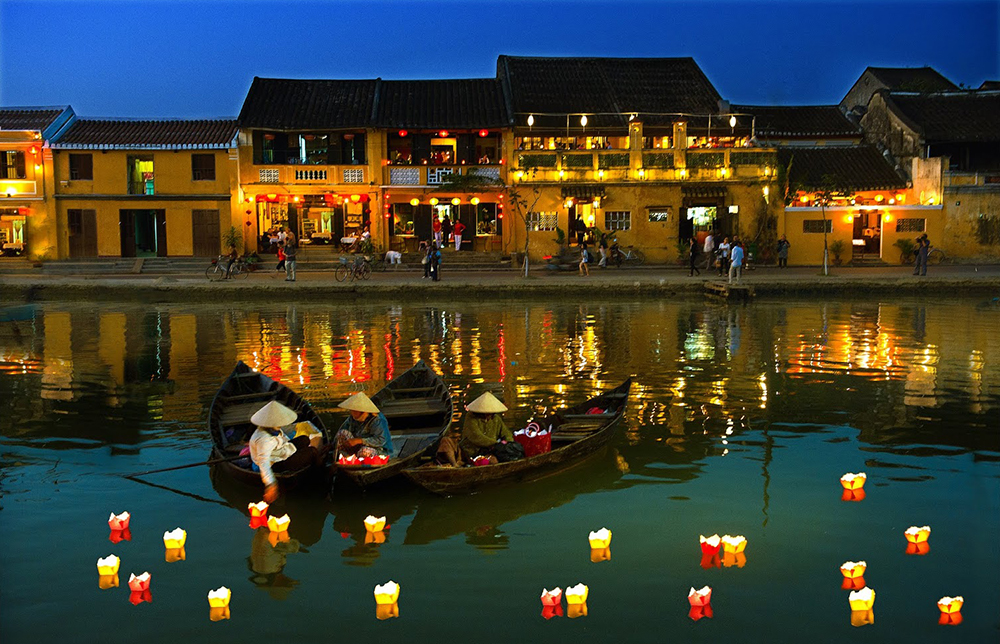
(724, 249)
(266, 449)
(709, 244)
(458, 242)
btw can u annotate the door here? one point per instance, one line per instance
(467, 215)
(161, 232)
(205, 233)
(82, 233)
(422, 222)
(126, 228)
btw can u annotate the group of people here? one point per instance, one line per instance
(365, 434)
(445, 231)
(920, 253)
(431, 260)
(729, 258)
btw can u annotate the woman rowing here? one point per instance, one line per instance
(272, 451)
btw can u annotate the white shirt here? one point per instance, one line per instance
(266, 449)
(709, 244)
(724, 249)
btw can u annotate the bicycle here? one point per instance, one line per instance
(631, 256)
(359, 269)
(217, 270)
(377, 263)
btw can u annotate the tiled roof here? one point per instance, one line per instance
(285, 104)
(859, 167)
(990, 84)
(454, 103)
(912, 79)
(951, 116)
(799, 121)
(147, 134)
(28, 118)
(606, 88)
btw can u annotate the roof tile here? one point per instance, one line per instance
(859, 167)
(145, 134)
(952, 116)
(799, 121)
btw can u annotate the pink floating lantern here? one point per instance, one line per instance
(119, 521)
(138, 583)
(552, 597)
(701, 597)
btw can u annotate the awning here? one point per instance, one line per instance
(705, 190)
(583, 192)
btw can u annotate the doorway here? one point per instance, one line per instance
(82, 226)
(205, 231)
(867, 237)
(143, 233)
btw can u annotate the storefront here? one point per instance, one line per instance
(13, 225)
(315, 219)
(412, 221)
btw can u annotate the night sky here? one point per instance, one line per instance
(198, 59)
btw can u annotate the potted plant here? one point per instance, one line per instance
(683, 251)
(906, 248)
(837, 247)
(252, 260)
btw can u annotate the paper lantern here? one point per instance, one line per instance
(853, 569)
(374, 524)
(701, 597)
(474, 201)
(274, 538)
(403, 133)
(355, 198)
(853, 495)
(576, 610)
(386, 611)
(552, 597)
(347, 460)
(414, 202)
(219, 614)
(484, 133)
(434, 201)
(139, 583)
(735, 544)
(258, 509)
(951, 604)
(105, 582)
(108, 565)
(853, 583)
(710, 545)
(576, 594)
(117, 536)
(137, 597)
(278, 524)
(481, 460)
(600, 539)
(852, 481)
(917, 535)
(921, 548)
(219, 598)
(734, 559)
(862, 599)
(598, 555)
(862, 617)
(710, 561)
(556, 610)
(443, 134)
(387, 593)
(173, 555)
(698, 612)
(119, 521)
(175, 538)
(456, 201)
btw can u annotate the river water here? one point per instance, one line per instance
(742, 420)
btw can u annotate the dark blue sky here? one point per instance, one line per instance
(198, 59)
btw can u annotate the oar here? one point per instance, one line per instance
(181, 492)
(212, 461)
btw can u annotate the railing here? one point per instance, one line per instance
(958, 178)
(314, 174)
(310, 175)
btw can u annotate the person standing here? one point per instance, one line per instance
(736, 265)
(923, 249)
(428, 256)
(724, 249)
(581, 230)
(693, 252)
(445, 231)
(584, 258)
(459, 227)
(291, 250)
(709, 249)
(436, 226)
(783, 247)
(435, 262)
(603, 250)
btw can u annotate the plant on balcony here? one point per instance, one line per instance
(529, 161)
(578, 161)
(705, 159)
(657, 160)
(613, 160)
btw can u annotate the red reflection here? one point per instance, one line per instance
(390, 362)
(501, 353)
(117, 536)
(139, 596)
(697, 612)
(853, 584)
(921, 548)
(258, 522)
(950, 619)
(556, 610)
(853, 495)
(711, 561)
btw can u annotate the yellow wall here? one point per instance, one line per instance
(807, 248)
(171, 169)
(33, 194)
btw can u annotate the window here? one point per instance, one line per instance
(12, 164)
(659, 214)
(309, 148)
(543, 220)
(910, 225)
(816, 225)
(81, 167)
(140, 175)
(618, 220)
(203, 167)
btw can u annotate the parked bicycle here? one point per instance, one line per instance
(631, 256)
(217, 270)
(357, 269)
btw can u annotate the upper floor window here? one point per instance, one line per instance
(309, 148)
(480, 147)
(81, 167)
(12, 164)
(203, 167)
(140, 175)
(571, 142)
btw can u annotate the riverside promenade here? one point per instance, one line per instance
(407, 284)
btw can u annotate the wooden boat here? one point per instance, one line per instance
(576, 435)
(241, 395)
(419, 408)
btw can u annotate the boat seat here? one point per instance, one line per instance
(413, 407)
(412, 443)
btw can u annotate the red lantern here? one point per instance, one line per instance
(364, 198)
(268, 137)
(34, 150)
(348, 137)
(443, 134)
(23, 211)
(484, 133)
(403, 133)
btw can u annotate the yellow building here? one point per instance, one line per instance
(144, 188)
(27, 209)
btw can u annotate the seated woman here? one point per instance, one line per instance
(366, 432)
(271, 450)
(483, 432)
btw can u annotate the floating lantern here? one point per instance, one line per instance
(376, 538)
(137, 597)
(373, 524)
(853, 495)
(552, 597)
(733, 559)
(917, 535)
(117, 536)
(174, 555)
(278, 524)
(387, 593)
(175, 538)
(710, 546)
(698, 612)
(108, 565)
(219, 614)
(710, 561)
(258, 509)
(701, 597)
(274, 538)
(862, 617)
(119, 521)
(951, 604)
(576, 610)
(105, 582)
(386, 611)
(600, 539)
(852, 481)
(598, 555)
(481, 460)
(219, 598)
(556, 610)
(735, 544)
(921, 548)
(853, 569)
(139, 583)
(576, 594)
(862, 599)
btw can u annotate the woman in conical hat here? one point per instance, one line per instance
(366, 432)
(483, 430)
(272, 451)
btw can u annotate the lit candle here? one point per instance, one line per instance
(219, 598)
(576, 594)
(387, 593)
(862, 599)
(600, 539)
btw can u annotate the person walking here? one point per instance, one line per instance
(602, 248)
(584, 258)
(581, 230)
(436, 226)
(783, 247)
(459, 227)
(736, 264)
(693, 252)
(923, 249)
(709, 249)
(724, 249)
(435, 261)
(291, 250)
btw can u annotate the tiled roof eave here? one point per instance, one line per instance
(143, 146)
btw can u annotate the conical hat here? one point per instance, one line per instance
(359, 402)
(486, 404)
(274, 414)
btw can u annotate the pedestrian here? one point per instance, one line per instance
(436, 226)
(584, 258)
(581, 230)
(459, 227)
(709, 249)
(736, 265)
(602, 248)
(445, 231)
(923, 248)
(291, 250)
(783, 247)
(435, 261)
(426, 259)
(724, 249)
(281, 258)
(693, 251)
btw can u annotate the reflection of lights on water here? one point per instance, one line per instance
(501, 353)
(762, 383)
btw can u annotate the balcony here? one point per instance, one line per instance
(294, 174)
(18, 188)
(435, 175)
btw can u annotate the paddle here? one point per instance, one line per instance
(212, 461)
